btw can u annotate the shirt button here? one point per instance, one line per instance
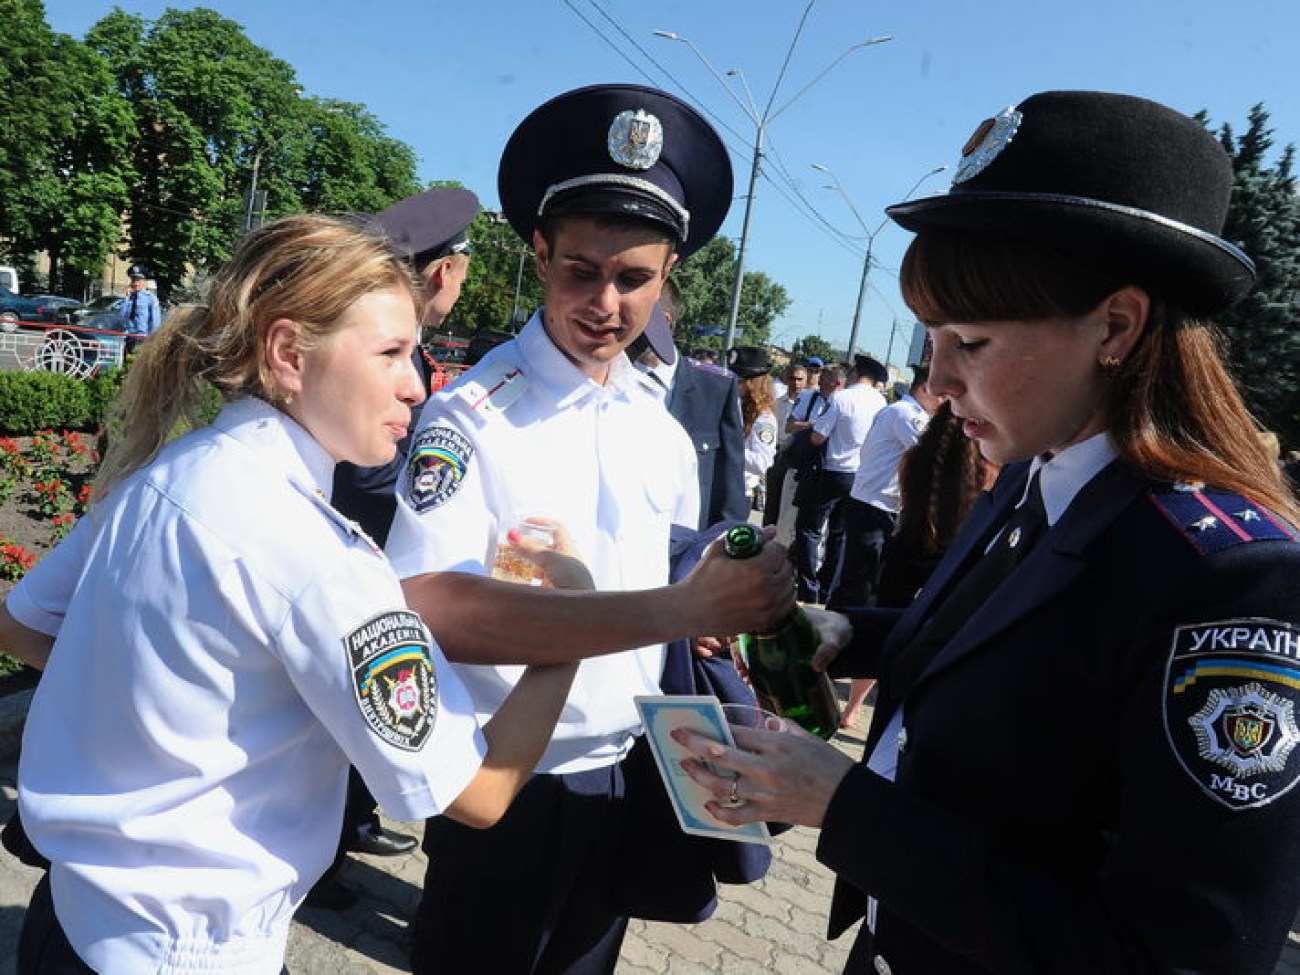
(882, 966)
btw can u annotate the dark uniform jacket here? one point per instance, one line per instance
(1097, 774)
(707, 405)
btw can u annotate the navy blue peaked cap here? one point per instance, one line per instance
(619, 149)
(431, 224)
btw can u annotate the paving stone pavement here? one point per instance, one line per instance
(776, 925)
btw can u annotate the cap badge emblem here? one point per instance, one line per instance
(635, 139)
(992, 136)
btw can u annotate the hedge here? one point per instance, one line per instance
(31, 401)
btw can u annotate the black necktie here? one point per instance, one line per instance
(970, 591)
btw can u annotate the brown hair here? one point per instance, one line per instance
(306, 268)
(939, 478)
(756, 396)
(1171, 407)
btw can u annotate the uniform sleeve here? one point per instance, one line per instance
(368, 669)
(760, 449)
(40, 600)
(734, 504)
(444, 521)
(825, 423)
(1190, 860)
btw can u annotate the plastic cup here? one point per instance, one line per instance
(511, 565)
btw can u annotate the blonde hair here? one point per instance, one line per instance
(1171, 407)
(307, 268)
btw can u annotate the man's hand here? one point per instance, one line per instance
(726, 595)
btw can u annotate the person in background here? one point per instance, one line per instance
(871, 510)
(702, 397)
(185, 757)
(1086, 729)
(753, 366)
(841, 428)
(140, 311)
(939, 480)
(805, 458)
(778, 495)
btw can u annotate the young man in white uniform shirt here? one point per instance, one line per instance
(610, 184)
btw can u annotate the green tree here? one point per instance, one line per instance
(813, 345)
(503, 266)
(1263, 331)
(217, 118)
(705, 281)
(63, 136)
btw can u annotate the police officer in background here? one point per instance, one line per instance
(610, 184)
(705, 400)
(431, 230)
(140, 311)
(1085, 756)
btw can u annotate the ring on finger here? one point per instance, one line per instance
(733, 797)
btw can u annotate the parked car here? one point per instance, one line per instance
(58, 304)
(96, 306)
(15, 308)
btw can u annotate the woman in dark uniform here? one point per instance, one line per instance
(1084, 757)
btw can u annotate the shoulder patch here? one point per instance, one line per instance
(1231, 689)
(766, 431)
(436, 466)
(492, 388)
(393, 678)
(1211, 521)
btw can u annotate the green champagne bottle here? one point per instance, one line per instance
(779, 661)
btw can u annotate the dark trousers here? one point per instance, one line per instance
(43, 948)
(825, 506)
(531, 894)
(775, 480)
(866, 532)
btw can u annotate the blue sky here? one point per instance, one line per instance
(453, 79)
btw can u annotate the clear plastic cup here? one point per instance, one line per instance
(511, 565)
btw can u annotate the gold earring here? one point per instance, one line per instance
(1112, 362)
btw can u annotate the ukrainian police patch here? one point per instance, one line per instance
(393, 677)
(439, 458)
(1230, 694)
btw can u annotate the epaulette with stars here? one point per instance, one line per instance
(1215, 520)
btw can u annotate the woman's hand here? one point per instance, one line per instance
(781, 776)
(834, 630)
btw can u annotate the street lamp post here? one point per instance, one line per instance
(760, 121)
(871, 241)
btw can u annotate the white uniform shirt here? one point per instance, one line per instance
(525, 432)
(845, 424)
(896, 428)
(760, 449)
(222, 633)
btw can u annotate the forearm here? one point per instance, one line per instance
(22, 642)
(483, 621)
(517, 736)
